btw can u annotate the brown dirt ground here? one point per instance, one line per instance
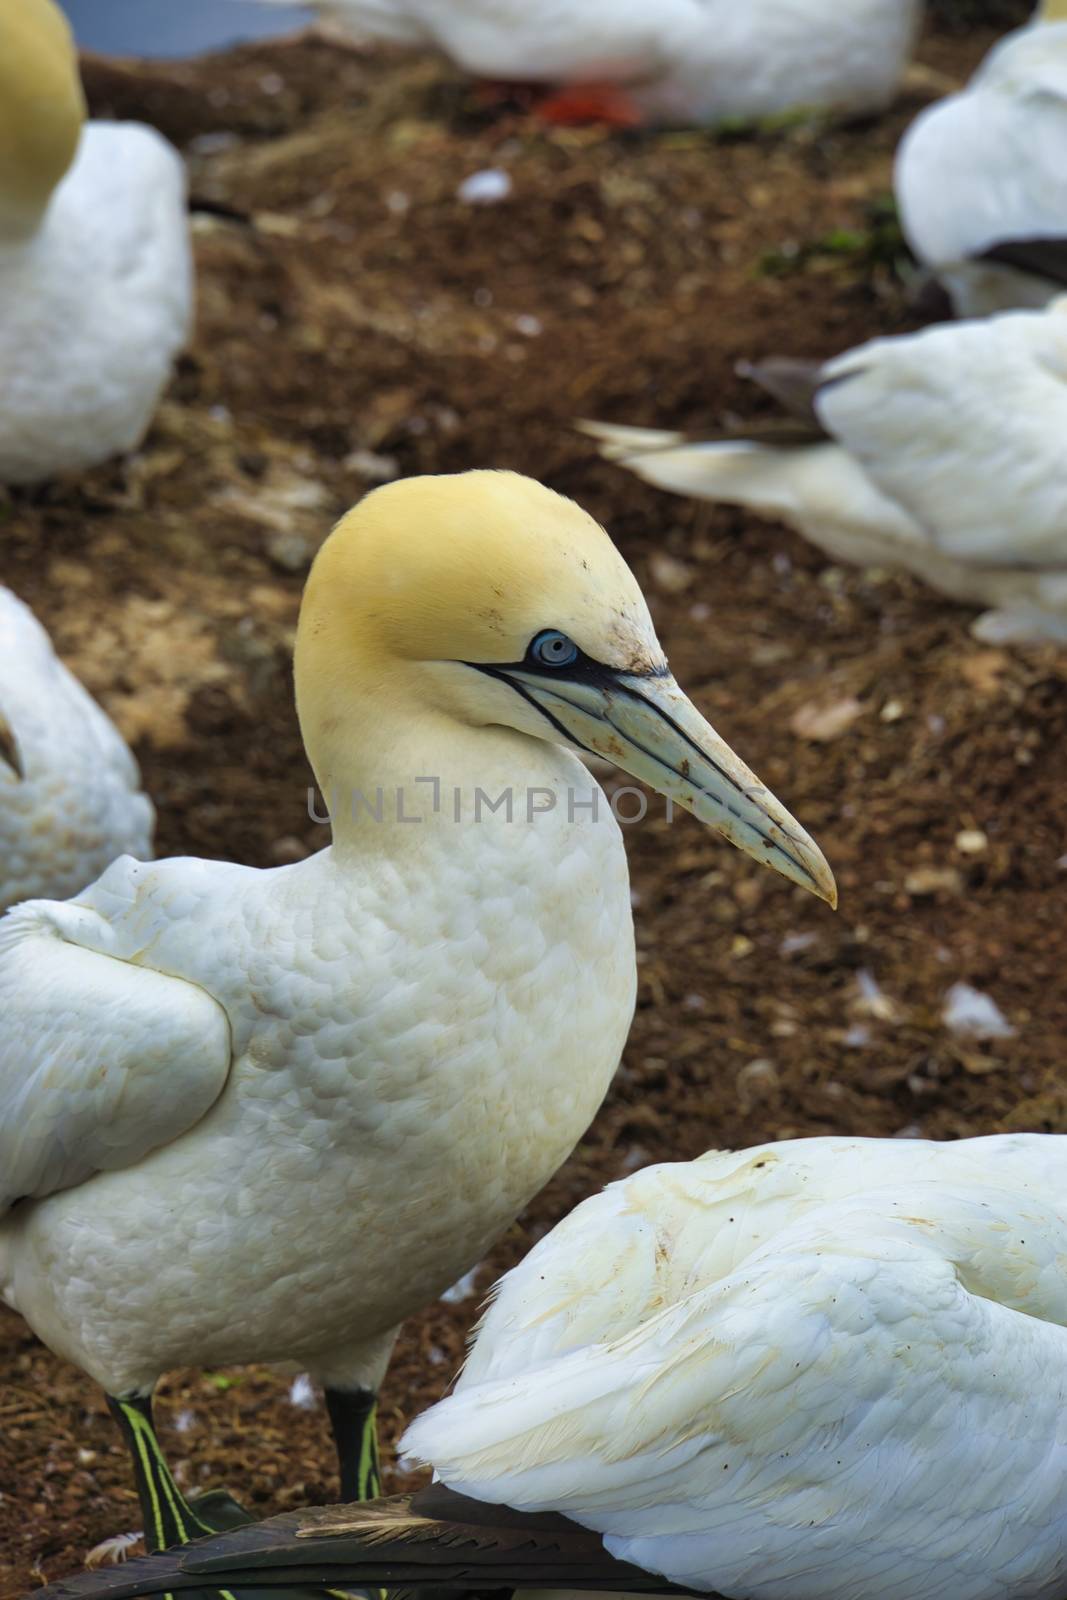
(351, 307)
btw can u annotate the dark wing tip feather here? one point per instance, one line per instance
(794, 384)
(1043, 257)
(434, 1543)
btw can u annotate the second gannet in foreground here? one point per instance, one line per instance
(263, 1115)
(702, 61)
(70, 791)
(940, 452)
(96, 275)
(981, 180)
(827, 1367)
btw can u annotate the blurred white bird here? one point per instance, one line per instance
(826, 1367)
(981, 177)
(96, 275)
(700, 61)
(70, 795)
(940, 452)
(805, 1369)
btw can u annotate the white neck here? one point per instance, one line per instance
(421, 789)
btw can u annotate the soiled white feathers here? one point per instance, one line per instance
(984, 169)
(70, 795)
(827, 1366)
(944, 456)
(681, 60)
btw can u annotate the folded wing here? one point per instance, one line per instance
(101, 1059)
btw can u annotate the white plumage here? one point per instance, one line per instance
(822, 1367)
(304, 1051)
(263, 1115)
(943, 456)
(984, 169)
(96, 276)
(681, 60)
(70, 795)
(95, 307)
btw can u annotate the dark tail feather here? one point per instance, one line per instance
(794, 384)
(434, 1540)
(1045, 258)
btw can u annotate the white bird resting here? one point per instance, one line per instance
(826, 1367)
(96, 276)
(70, 791)
(940, 453)
(981, 180)
(679, 61)
(806, 1369)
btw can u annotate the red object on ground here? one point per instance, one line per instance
(580, 103)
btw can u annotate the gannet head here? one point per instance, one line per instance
(42, 109)
(501, 603)
(1052, 11)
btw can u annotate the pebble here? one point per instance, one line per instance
(934, 880)
(971, 841)
(290, 551)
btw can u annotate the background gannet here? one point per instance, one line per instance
(680, 61)
(70, 791)
(980, 178)
(939, 452)
(820, 1367)
(262, 1115)
(96, 277)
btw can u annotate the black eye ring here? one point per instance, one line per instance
(553, 649)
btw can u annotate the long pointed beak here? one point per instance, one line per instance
(647, 726)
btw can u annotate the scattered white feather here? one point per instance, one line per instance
(302, 1393)
(485, 188)
(464, 1288)
(974, 1015)
(111, 1552)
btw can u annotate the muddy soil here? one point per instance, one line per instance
(357, 320)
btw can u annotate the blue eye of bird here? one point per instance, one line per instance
(554, 649)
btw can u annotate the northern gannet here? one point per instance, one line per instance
(70, 791)
(701, 61)
(940, 452)
(981, 180)
(263, 1115)
(826, 1367)
(95, 267)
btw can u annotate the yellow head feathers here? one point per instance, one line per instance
(429, 572)
(42, 108)
(469, 568)
(453, 621)
(1052, 11)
